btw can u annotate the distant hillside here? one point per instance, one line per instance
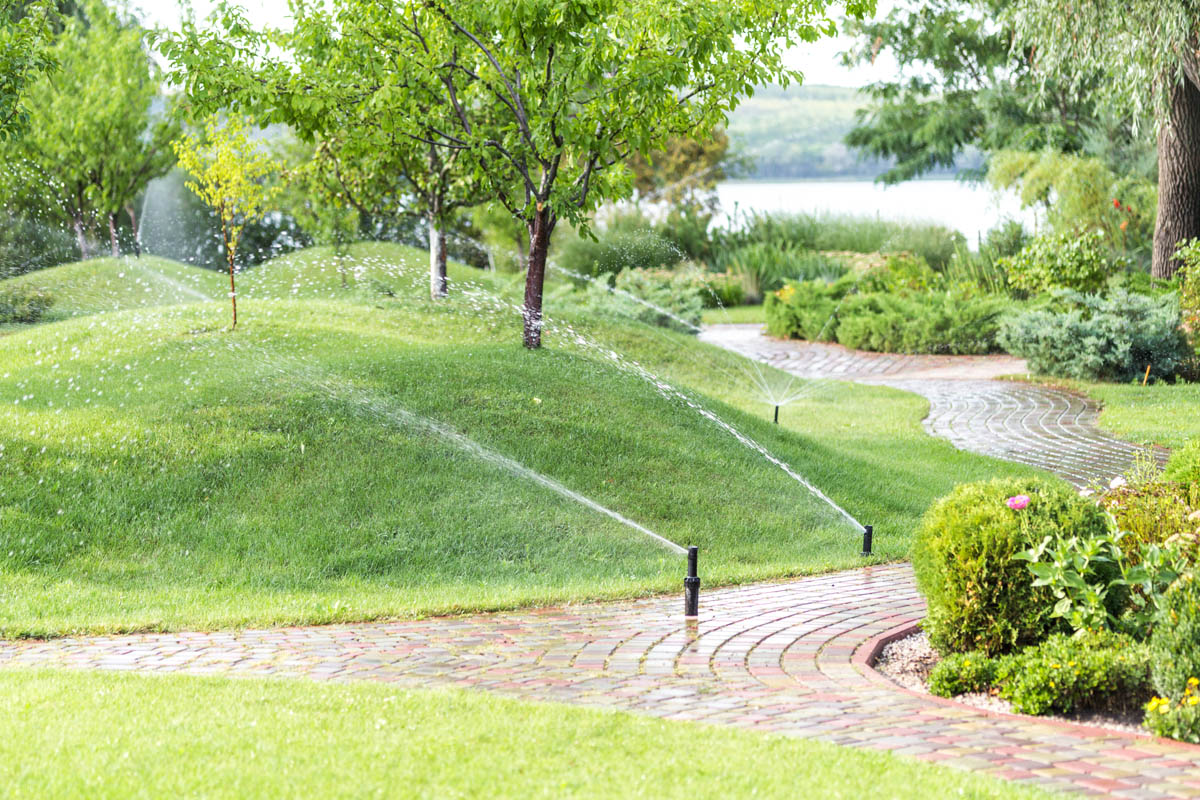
(798, 132)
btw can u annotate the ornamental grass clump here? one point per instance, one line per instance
(980, 596)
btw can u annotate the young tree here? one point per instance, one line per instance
(25, 32)
(230, 175)
(93, 128)
(544, 99)
(1144, 55)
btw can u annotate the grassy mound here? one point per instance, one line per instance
(112, 284)
(352, 459)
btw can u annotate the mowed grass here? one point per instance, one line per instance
(1163, 414)
(105, 284)
(158, 471)
(742, 314)
(71, 735)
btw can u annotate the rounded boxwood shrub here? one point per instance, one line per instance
(979, 597)
(1175, 643)
(1184, 466)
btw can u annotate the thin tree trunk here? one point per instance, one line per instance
(137, 232)
(539, 246)
(1178, 179)
(229, 256)
(112, 235)
(442, 259)
(437, 258)
(81, 239)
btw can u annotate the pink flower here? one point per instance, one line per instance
(1018, 502)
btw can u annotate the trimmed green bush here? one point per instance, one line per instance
(24, 304)
(979, 596)
(1071, 260)
(1175, 642)
(937, 322)
(960, 673)
(1100, 338)
(1184, 466)
(668, 299)
(1099, 670)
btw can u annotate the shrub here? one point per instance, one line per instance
(1098, 670)
(938, 322)
(663, 298)
(1178, 720)
(1184, 466)
(628, 243)
(933, 244)
(979, 596)
(1101, 338)
(1063, 261)
(806, 310)
(722, 291)
(23, 304)
(960, 673)
(765, 266)
(1162, 511)
(1175, 642)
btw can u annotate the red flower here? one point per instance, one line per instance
(1116, 203)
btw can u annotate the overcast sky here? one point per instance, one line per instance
(818, 62)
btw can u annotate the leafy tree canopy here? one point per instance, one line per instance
(25, 31)
(962, 85)
(543, 100)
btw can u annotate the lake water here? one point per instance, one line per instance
(970, 208)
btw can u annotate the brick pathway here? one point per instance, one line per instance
(1034, 425)
(789, 657)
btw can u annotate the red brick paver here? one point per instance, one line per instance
(782, 657)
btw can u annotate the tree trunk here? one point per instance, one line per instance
(112, 235)
(137, 232)
(539, 246)
(437, 258)
(1178, 179)
(81, 239)
(229, 256)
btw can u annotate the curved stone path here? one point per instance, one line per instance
(789, 657)
(1035, 425)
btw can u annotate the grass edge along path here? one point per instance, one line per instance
(104, 735)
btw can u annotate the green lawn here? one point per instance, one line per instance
(105, 284)
(1160, 414)
(724, 316)
(69, 735)
(160, 472)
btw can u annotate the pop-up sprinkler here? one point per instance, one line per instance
(776, 415)
(691, 586)
(868, 531)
